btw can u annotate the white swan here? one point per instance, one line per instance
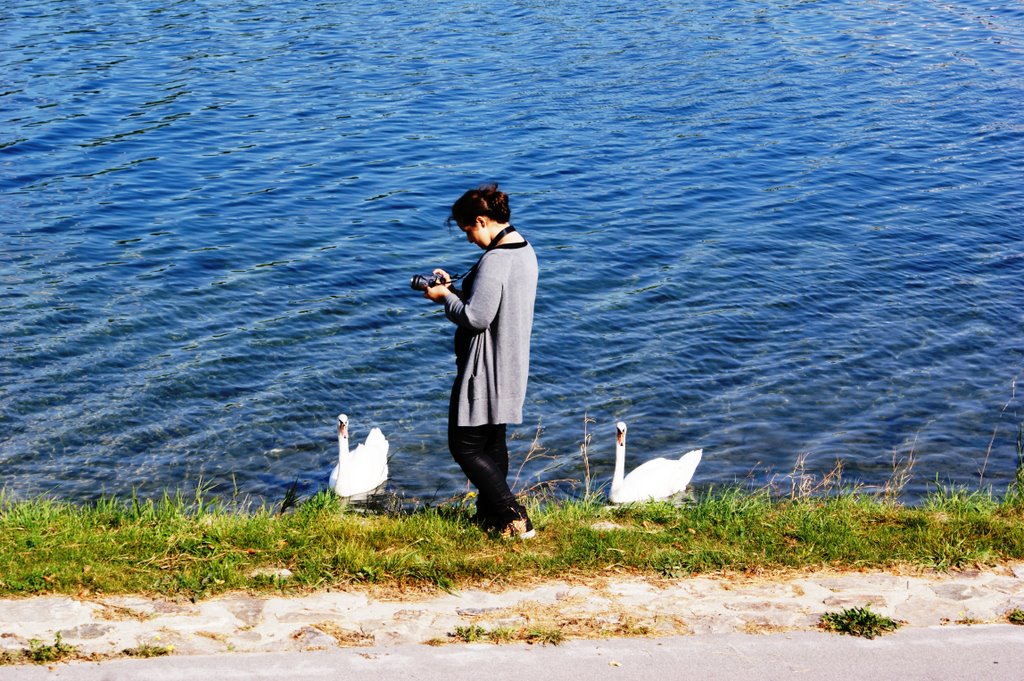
(363, 470)
(656, 479)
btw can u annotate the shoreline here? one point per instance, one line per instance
(200, 550)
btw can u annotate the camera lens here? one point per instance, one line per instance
(419, 282)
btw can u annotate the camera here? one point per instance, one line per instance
(421, 282)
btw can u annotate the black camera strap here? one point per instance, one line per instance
(497, 239)
(490, 247)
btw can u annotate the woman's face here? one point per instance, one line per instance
(478, 232)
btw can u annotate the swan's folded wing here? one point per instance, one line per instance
(654, 479)
(376, 441)
(686, 466)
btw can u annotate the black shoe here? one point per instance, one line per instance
(520, 528)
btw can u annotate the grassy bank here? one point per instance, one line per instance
(187, 548)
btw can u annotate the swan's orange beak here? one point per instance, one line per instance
(342, 429)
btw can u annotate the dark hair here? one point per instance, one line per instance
(487, 200)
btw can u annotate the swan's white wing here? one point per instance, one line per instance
(375, 450)
(685, 468)
(368, 468)
(376, 441)
(363, 475)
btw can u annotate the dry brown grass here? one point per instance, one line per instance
(346, 638)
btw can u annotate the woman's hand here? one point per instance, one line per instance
(440, 292)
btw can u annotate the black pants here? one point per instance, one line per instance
(481, 453)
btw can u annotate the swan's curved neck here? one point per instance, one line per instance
(342, 443)
(620, 460)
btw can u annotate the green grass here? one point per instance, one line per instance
(545, 636)
(502, 635)
(470, 634)
(474, 633)
(147, 650)
(858, 622)
(40, 653)
(195, 548)
(1015, 616)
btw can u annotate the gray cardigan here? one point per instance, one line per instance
(499, 314)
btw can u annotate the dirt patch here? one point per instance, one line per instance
(346, 638)
(574, 620)
(118, 613)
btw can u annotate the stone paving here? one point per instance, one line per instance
(596, 607)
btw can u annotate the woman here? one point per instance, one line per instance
(493, 315)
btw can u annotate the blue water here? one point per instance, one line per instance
(780, 231)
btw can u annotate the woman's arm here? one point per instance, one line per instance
(477, 313)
